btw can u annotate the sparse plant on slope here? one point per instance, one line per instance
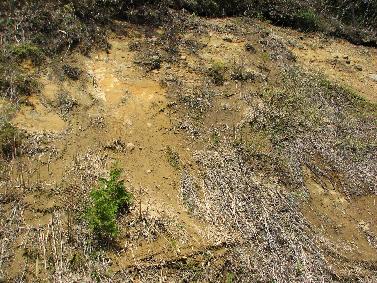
(10, 139)
(173, 157)
(15, 83)
(107, 201)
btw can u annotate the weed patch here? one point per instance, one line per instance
(217, 72)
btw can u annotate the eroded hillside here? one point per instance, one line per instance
(250, 151)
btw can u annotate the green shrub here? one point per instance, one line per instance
(202, 7)
(107, 201)
(217, 7)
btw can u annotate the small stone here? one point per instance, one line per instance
(149, 171)
(373, 77)
(155, 71)
(228, 38)
(226, 106)
(130, 146)
(359, 68)
(250, 48)
(183, 57)
(348, 62)
(292, 43)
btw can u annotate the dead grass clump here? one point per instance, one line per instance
(250, 48)
(241, 73)
(261, 216)
(65, 103)
(72, 72)
(196, 101)
(276, 48)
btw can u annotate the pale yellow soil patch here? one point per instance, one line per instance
(130, 106)
(38, 118)
(350, 223)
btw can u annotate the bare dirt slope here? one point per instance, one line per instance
(249, 158)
